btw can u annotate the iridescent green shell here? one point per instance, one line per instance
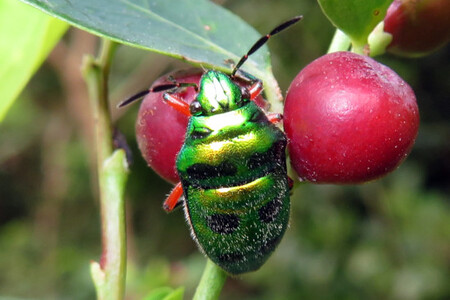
(233, 170)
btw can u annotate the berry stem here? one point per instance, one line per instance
(273, 93)
(379, 40)
(108, 275)
(358, 49)
(211, 283)
(340, 42)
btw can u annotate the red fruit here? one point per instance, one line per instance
(160, 129)
(417, 26)
(349, 119)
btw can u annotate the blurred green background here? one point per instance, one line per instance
(388, 239)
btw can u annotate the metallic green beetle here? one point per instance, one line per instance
(232, 167)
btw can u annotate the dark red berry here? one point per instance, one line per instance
(160, 129)
(349, 119)
(417, 26)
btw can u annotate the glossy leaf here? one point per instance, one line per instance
(197, 31)
(355, 17)
(27, 37)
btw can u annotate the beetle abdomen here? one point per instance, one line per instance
(235, 186)
(239, 227)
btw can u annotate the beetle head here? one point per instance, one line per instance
(217, 94)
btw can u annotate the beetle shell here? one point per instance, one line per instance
(233, 171)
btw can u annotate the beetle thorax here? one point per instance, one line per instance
(219, 94)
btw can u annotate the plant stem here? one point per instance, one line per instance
(340, 42)
(358, 49)
(108, 275)
(211, 283)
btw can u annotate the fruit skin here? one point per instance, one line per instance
(349, 119)
(418, 27)
(160, 129)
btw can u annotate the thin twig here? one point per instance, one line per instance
(108, 275)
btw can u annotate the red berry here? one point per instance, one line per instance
(160, 129)
(349, 119)
(417, 26)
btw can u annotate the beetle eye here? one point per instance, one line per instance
(195, 108)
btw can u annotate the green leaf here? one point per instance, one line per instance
(356, 18)
(176, 294)
(197, 31)
(166, 293)
(27, 36)
(159, 293)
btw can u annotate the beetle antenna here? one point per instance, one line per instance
(133, 98)
(264, 40)
(156, 89)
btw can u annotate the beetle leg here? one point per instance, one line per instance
(120, 142)
(256, 85)
(290, 183)
(177, 103)
(275, 118)
(174, 198)
(255, 89)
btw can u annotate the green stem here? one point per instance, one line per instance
(358, 49)
(211, 283)
(340, 42)
(108, 275)
(273, 93)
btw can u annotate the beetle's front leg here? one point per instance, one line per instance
(255, 89)
(177, 103)
(174, 199)
(256, 85)
(274, 118)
